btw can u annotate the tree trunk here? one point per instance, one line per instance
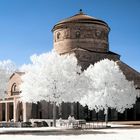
(72, 109)
(54, 114)
(106, 116)
(60, 110)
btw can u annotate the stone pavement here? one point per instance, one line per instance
(68, 131)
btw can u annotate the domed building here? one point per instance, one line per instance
(81, 31)
(86, 37)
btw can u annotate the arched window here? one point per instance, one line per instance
(77, 34)
(14, 90)
(14, 87)
(98, 33)
(58, 35)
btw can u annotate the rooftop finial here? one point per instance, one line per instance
(80, 11)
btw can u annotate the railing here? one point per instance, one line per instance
(10, 124)
(77, 124)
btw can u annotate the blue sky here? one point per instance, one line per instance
(25, 26)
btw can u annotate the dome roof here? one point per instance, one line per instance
(82, 18)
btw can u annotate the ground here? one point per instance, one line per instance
(115, 133)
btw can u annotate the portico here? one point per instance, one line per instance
(11, 110)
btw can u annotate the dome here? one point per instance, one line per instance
(81, 18)
(81, 31)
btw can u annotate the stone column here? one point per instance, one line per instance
(24, 112)
(15, 110)
(0, 111)
(7, 111)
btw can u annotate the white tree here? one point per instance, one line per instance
(7, 67)
(54, 78)
(110, 88)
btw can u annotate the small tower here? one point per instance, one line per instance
(81, 31)
(85, 36)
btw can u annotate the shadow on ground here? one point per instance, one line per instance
(58, 132)
(67, 131)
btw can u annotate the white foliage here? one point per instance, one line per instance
(7, 67)
(52, 77)
(109, 87)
